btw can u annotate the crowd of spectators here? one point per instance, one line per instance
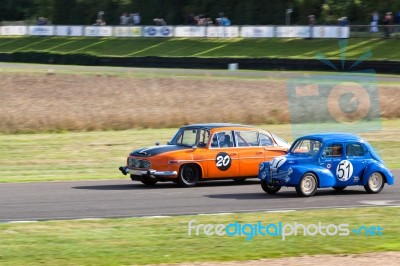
(202, 20)
(130, 19)
(387, 21)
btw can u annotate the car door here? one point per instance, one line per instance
(251, 154)
(222, 156)
(333, 159)
(355, 154)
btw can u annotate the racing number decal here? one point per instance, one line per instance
(344, 170)
(223, 161)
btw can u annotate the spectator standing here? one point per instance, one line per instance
(225, 21)
(398, 19)
(387, 20)
(311, 22)
(136, 18)
(374, 22)
(343, 21)
(42, 21)
(124, 19)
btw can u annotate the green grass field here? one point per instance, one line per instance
(165, 240)
(184, 47)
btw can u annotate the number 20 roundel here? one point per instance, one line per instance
(223, 161)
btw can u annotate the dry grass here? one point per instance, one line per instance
(58, 102)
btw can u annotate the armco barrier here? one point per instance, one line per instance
(181, 31)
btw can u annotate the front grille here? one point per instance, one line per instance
(278, 174)
(138, 163)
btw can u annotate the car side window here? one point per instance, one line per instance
(246, 138)
(222, 139)
(355, 150)
(264, 140)
(333, 150)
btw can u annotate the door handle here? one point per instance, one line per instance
(233, 154)
(259, 153)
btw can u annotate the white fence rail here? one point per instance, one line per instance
(181, 31)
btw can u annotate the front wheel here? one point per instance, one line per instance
(270, 189)
(307, 186)
(188, 176)
(375, 183)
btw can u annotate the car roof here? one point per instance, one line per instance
(215, 125)
(327, 137)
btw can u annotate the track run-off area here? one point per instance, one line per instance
(123, 198)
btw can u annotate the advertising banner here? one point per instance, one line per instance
(14, 30)
(293, 32)
(41, 30)
(190, 31)
(223, 31)
(158, 31)
(331, 32)
(127, 31)
(98, 31)
(69, 30)
(257, 31)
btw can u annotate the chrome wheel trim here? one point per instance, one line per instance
(308, 184)
(375, 182)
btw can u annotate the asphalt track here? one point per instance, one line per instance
(123, 198)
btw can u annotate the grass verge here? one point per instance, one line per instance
(98, 154)
(165, 240)
(382, 49)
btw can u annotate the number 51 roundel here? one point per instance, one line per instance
(344, 170)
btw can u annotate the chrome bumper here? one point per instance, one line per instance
(151, 172)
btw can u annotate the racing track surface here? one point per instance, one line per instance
(123, 198)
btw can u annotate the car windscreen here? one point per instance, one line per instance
(191, 137)
(306, 147)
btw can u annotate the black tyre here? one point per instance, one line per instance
(270, 189)
(339, 188)
(375, 183)
(308, 185)
(188, 176)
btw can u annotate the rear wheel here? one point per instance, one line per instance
(307, 186)
(188, 176)
(375, 183)
(270, 189)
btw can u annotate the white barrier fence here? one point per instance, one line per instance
(181, 31)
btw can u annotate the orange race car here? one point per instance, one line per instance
(205, 152)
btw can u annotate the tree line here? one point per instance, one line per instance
(176, 12)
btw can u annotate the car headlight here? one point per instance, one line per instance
(263, 175)
(262, 166)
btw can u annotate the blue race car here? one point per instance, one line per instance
(326, 160)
